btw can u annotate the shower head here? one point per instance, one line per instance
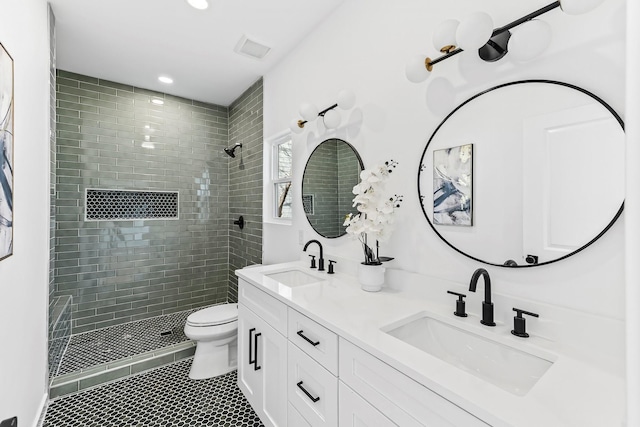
(231, 151)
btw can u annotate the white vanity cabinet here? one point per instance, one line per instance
(401, 399)
(297, 372)
(312, 390)
(356, 412)
(313, 370)
(262, 354)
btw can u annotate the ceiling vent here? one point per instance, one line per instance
(251, 48)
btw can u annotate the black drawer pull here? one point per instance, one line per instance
(313, 399)
(251, 350)
(300, 332)
(255, 345)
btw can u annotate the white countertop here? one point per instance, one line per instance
(575, 391)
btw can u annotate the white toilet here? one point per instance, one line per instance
(215, 330)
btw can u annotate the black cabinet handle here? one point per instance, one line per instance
(313, 343)
(251, 359)
(313, 399)
(255, 345)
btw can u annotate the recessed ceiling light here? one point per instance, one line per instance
(157, 101)
(199, 4)
(165, 79)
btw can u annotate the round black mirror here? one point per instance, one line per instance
(333, 169)
(526, 173)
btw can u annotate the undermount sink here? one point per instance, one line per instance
(513, 370)
(293, 278)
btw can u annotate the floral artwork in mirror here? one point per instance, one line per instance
(452, 184)
(6, 153)
(331, 172)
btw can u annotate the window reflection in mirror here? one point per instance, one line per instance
(283, 162)
(333, 169)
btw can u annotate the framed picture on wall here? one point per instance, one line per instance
(452, 186)
(6, 153)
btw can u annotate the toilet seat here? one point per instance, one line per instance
(213, 316)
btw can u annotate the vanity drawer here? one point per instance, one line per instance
(264, 305)
(404, 401)
(357, 412)
(294, 419)
(312, 390)
(315, 340)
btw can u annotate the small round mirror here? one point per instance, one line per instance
(333, 169)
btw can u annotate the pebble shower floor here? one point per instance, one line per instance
(164, 397)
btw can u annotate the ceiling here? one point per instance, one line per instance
(135, 41)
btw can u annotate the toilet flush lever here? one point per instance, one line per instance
(519, 323)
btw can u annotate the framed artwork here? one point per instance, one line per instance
(6, 153)
(452, 186)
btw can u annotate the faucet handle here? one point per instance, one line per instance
(460, 304)
(519, 323)
(313, 261)
(331, 262)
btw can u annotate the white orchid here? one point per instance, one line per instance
(375, 217)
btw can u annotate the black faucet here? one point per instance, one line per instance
(487, 305)
(321, 260)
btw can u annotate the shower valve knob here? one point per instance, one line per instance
(239, 222)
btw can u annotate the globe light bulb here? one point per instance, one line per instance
(474, 31)
(309, 112)
(445, 34)
(529, 40)
(416, 70)
(332, 119)
(346, 99)
(578, 7)
(294, 127)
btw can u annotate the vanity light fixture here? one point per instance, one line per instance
(476, 32)
(330, 117)
(198, 4)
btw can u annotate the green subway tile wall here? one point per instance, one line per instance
(348, 177)
(110, 135)
(321, 182)
(245, 182)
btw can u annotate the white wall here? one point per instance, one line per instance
(632, 205)
(364, 46)
(23, 276)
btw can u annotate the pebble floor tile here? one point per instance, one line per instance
(164, 397)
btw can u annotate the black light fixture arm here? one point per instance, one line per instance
(429, 63)
(526, 18)
(320, 114)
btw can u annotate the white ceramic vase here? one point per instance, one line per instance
(371, 277)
